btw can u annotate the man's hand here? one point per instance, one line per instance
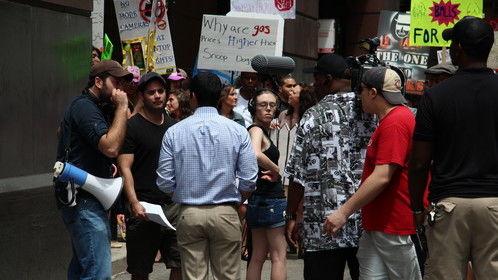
(271, 176)
(119, 98)
(289, 230)
(334, 223)
(138, 210)
(419, 219)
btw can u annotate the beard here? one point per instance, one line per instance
(105, 94)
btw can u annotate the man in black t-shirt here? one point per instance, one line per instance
(456, 130)
(138, 162)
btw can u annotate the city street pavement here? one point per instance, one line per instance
(294, 268)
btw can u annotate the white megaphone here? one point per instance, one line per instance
(105, 190)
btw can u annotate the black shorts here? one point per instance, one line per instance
(145, 238)
(330, 264)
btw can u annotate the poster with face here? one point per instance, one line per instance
(395, 49)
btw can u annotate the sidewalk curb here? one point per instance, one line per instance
(118, 259)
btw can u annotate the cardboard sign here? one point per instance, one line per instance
(230, 42)
(134, 19)
(98, 24)
(430, 18)
(394, 49)
(284, 8)
(326, 35)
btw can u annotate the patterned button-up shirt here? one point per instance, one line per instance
(327, 159)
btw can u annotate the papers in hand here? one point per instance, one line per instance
(155, 213)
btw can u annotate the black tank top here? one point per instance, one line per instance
(264, 187)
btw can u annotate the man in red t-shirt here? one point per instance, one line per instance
(386, 250)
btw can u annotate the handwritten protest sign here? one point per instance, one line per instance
(230, 42)
(98, 23)
(394, 49)
(134, 19)
(430, 18)
(284, 8)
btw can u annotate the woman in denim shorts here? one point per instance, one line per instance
(266, 208)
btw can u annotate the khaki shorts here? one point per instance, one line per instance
(465, 229)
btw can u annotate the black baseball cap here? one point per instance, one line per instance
(387, 82)
(471, 32)
(330, 63)
(148, 77)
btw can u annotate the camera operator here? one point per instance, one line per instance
(89, 142)
(325, 167)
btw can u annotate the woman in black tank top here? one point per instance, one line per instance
(266, 207)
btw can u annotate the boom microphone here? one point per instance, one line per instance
(276, 65)
(105, 190)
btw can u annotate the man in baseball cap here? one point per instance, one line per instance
(438, 73)
(385, 248)
(333, 135)
(90, 141)
(329, 74)
(473, 35)
(387, 84)
(138, 162)
(455, 139)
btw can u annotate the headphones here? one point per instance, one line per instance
(251, 105)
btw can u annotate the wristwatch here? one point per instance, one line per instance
(290, 217)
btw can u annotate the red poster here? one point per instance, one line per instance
(284, 5)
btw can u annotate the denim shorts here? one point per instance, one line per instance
(263, 212)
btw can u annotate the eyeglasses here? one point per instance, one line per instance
(266, 104)
(153, 91)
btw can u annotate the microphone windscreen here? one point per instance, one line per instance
(265, 64)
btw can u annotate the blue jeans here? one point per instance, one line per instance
(88, 226)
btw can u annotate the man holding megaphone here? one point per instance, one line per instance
(89, 141)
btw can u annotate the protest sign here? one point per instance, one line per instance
(134, 19)
(230, 42)
(98, 24)
(108, 48)
(284, 8)
(394, 49)
(326, 35)
(444, 52)
(493, 55)
(430, 18)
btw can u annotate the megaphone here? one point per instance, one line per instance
(105, 190)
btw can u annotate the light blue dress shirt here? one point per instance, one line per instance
(201, 157)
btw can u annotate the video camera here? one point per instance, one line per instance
(359, 64)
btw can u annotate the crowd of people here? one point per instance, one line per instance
(291, 165)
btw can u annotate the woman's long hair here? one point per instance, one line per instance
(184, 110)
(224, 93)
(307, 99)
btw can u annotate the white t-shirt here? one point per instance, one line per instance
(242, 108)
